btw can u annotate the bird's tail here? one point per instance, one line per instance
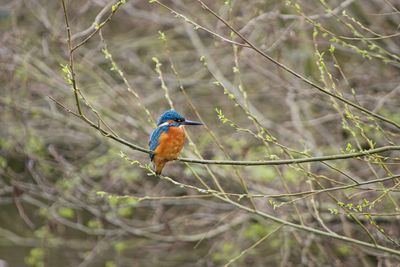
(158, 165)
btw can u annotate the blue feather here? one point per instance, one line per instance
(155, 137)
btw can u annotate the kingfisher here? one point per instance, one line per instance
(167, 140)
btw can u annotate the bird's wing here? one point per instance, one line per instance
(154, 137)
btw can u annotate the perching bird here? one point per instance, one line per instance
(167, 140)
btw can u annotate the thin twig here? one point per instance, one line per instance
(198, 26)
(253, 246)
(71, 59)
(97, 27)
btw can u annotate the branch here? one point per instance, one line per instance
(97, 27)
(198, 26)
(330, 189)
(313, 230)
(293, 161)
(253, 246)
(233, 162)
(71, 59)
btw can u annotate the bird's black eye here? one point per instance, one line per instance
(179, 120)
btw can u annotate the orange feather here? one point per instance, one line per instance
(169, 147)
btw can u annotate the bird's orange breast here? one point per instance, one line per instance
(170, 143)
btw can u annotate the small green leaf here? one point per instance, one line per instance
(119, 247)
(101, 193)
(67, 213)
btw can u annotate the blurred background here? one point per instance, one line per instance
(68, 197)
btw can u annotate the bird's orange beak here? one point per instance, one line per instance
(188, 122)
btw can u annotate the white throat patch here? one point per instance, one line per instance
(166, 123)
(163, 124)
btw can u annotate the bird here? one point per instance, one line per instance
(168, 139)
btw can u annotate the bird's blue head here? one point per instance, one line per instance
(173, 117)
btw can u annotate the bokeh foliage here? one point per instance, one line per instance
(70, 196)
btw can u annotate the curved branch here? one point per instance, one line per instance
(330, 189)
(293, 161)
(235, 162)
